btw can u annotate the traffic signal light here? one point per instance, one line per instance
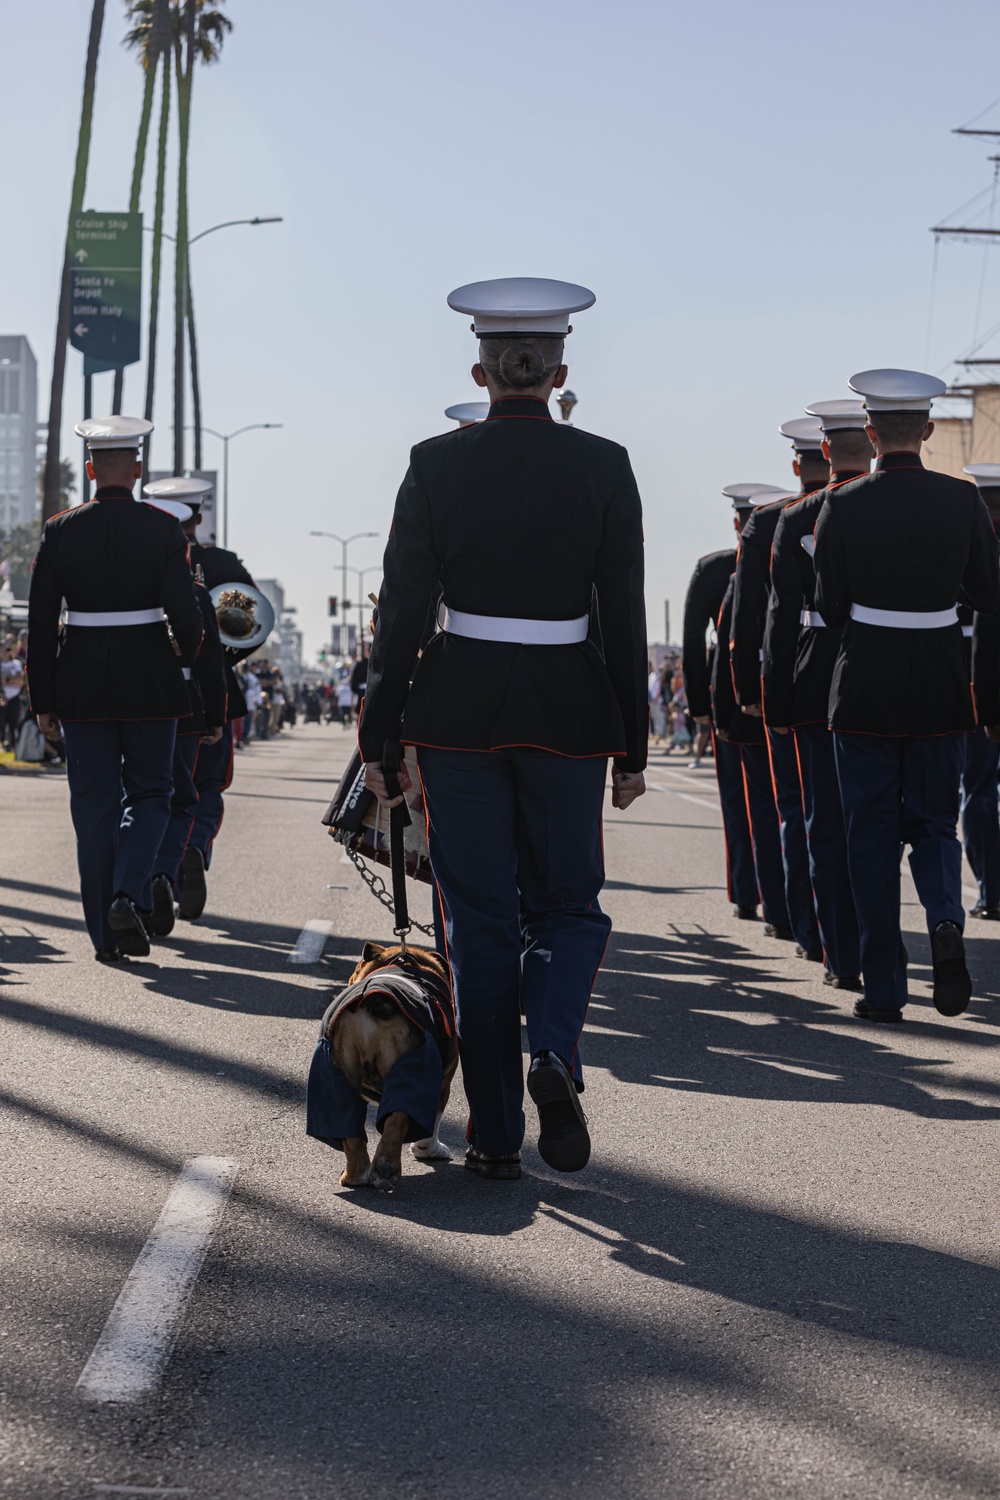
(332, 606)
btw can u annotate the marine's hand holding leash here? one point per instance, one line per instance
(626, 786)
(375, 782)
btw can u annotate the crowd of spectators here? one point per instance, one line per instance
(670, 723)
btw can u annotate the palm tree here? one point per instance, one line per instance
(150, 36)
(51, 503)
(201, 39)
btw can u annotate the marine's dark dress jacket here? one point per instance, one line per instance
(903, 538)
(111, 554)
(519, 517)
(207, 684)
(727, 716)
(218, 565)
(798, 663)
(983, 660)
(753, 584)
(705, 594)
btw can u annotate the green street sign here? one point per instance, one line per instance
(105, 256)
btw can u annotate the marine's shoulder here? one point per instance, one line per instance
(468, 439)
(717, 562)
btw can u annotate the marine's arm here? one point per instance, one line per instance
(833, 596)
(749, 608)
(697, 619)
(981, 579)
(782, 625)
(619, 581)
(44, 605)
(179, 599)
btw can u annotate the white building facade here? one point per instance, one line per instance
(18, 432)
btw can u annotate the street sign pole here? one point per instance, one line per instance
(88, 411)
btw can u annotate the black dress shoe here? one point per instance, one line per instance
(844, 981)
(987, 913)
(501, 1168)
(745, 913)
(108, 955)
(563, 1140)
(772, 929)
(952, 984)
(161, 918)
(193, 891)
(811, 955)
(866, 1012)
(125, 918)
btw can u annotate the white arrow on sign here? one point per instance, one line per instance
(81, 256)
(80, 330)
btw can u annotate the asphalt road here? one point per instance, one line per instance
(779, 1276)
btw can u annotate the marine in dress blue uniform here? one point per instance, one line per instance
(796, 671)
(980, 818)
(111, 676)
(206, 685)
(213, 772)
(895, 550)
(752, 589)
(702, 607)
(522, 523)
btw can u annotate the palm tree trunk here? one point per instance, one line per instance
(51, 504)
(138, 168)
(195, 382)
(154, 275)
(184, 78)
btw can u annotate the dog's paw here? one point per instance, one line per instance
(430, 1149)
(385, 1176)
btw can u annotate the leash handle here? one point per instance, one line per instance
(399, 818)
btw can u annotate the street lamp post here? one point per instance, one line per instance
(360, 574)
(224, 438)
(345, 542)
(189, 315)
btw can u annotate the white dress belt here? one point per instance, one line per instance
(905, 619)
(186, 673)
(115, 616)
(514, 631)
(966, 631)
(813, 619)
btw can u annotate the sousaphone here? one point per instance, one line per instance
(245, 615)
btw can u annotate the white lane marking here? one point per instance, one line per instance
(310, 942)
(140, 1489)
(684, 796)
(135, 1343)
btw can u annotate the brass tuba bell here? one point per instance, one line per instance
(245, 615)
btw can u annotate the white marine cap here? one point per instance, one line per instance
(180, 487)
(175, 508)
(986, 476)
(467, 413)
(113, 432)
(748, 496)
(529, 305)
(897, 390)
(839, 416)
(806, 433)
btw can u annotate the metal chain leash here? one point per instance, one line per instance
(379, 890)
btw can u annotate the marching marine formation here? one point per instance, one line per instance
(895, 551)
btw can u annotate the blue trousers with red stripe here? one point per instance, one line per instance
(980, 822)
(741, 878)
(213, 774)
(766, 834)
(183, 805)
(826, 836)
(515, 845)
(792, 832)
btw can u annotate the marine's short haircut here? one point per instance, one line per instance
(519, 364)
(850, 447)
(899, 429)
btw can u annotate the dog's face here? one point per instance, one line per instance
(386, 956)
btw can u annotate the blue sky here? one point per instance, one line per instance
(747, 187)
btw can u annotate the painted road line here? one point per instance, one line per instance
(310, 942)
(139, 1489)
(134, 1346)
(684, 796)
